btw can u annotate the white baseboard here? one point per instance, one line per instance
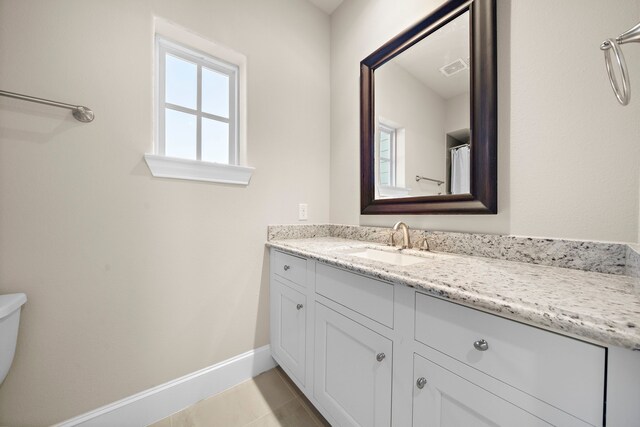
(159, 402)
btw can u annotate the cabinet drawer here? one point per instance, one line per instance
(561, 371)
(290, 267)
(369, 297)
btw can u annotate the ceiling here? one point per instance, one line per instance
(328, 6)
(424, 59)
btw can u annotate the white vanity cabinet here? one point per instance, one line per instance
(446, 399)
(369, 353)
(563, 372)
(352, 370)
(289, 314)
(288, 327)
(353, 350)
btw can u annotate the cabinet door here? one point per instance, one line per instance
(448, 400)
(288, 326)
(352, 370)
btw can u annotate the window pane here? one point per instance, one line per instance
(215, 93)
(215, 141)
(181, 82)
(180, 135)
(385, 174)
(385, 145)
(385, 158)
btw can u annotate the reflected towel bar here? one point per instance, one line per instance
(420, 178)
(80, 113)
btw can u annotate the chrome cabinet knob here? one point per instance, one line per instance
(380, 357)
(299, 306)
(481, 345)
(421, 382)
(286, 267)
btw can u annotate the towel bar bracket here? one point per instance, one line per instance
(81, 113)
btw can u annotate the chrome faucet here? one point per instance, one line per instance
(406, 240)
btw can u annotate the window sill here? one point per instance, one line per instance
(391, 191)
(195, 170)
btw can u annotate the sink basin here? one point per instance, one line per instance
(395, 258)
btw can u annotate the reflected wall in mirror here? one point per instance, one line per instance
(422, 110)
(429, 115)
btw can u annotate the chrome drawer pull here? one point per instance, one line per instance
(299, 306)
(380, 357)
(481, 345)
(422, 381)
(286, 267)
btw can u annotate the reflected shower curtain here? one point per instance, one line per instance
(460, 170)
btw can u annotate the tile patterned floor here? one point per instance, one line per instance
(268, 400)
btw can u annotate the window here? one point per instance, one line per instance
(387, 155)
(197, 105)
(200, 117)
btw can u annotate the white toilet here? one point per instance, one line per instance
(9, 320)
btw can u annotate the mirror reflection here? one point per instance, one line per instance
(422, 114)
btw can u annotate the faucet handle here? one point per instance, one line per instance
(392, 241)
(423, 245)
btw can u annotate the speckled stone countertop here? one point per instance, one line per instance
(602, 308)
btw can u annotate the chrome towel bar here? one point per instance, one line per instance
(80, 113)
(623, 93)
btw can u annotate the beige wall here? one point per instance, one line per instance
(568, 153)
(457, 113)
(133, 281)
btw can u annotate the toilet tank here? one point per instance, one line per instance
(9, 321)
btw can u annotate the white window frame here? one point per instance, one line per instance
(164, 47)
(211, 55)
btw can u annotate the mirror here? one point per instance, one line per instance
(428, 116)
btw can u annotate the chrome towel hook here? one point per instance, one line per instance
(623, 94)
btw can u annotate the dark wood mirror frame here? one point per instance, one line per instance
(484, 174)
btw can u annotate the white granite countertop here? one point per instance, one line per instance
(602, 308)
